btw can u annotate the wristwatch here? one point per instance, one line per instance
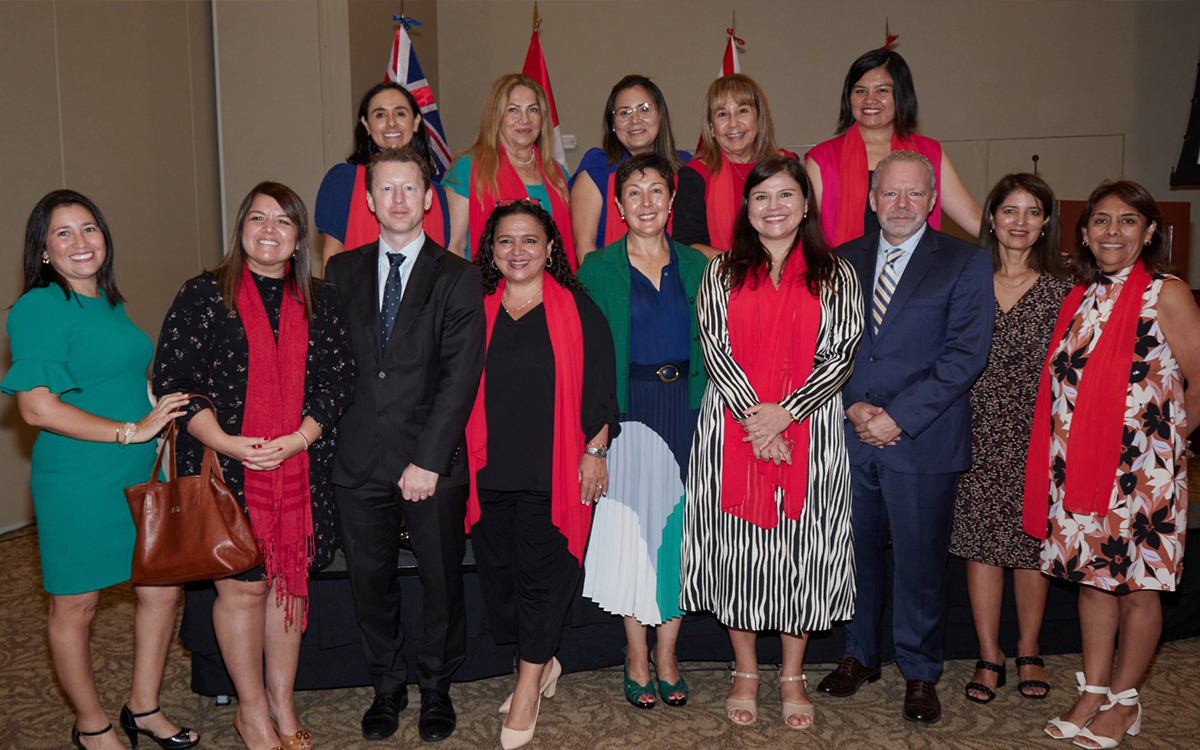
(597, 451)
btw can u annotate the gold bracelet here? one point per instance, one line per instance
(301, 434)
(117, 437)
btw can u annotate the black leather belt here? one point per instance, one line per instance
(667, 373)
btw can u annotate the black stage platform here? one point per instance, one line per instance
(331, 655)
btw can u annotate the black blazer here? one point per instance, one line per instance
(412, 402)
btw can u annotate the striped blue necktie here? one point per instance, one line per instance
(885, 287)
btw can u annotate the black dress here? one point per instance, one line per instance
(527, 575)
(203, 349)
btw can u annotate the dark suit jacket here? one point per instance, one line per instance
(932, 344)
(412, 402)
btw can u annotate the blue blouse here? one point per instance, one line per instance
(660, 328)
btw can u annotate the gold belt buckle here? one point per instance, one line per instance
(661, 372)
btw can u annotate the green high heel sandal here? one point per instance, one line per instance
(635, 692)
(666, 689)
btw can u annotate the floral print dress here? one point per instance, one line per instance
(1139, 543)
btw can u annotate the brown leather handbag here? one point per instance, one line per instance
(189, 528)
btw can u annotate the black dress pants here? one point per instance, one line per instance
(371, 516)
(527, 574)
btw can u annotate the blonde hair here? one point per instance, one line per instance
(486, 148)
(743, 90)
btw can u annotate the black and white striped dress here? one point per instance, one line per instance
(799, 575)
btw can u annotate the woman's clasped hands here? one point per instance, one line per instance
(260, 453)
(764, 425)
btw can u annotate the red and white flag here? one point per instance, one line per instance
(535, 68)
(730, 64)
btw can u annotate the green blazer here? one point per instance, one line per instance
(605, 273)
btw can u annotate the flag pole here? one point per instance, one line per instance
(537, 21)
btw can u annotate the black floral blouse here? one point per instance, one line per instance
(203, 349)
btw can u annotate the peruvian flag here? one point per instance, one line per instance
(404, 69)
(730, 64)
(535, 68)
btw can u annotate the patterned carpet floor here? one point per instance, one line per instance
(588, 711)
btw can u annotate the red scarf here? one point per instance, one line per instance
(843, 164)
(615, 225)
(722, 198)
(567, 512)
(1094, 440)
(773, 336)
(509, 186)
(278, 502)
(362, 228)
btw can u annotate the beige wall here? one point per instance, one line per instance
(284, 89)
(1105, 86)
(115, 100)
(120, 100)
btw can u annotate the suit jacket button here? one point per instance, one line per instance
(381, 412)
(872, 358)
(383, 374)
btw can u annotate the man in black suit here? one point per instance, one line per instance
(415, 313)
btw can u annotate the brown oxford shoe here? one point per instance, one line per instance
(921, 703)
(847, 678)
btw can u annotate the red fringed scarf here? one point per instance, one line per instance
(844, 182)
(773, 336)
(278, 502)
(509, 186)
(567, 512)
(1094, 441)
(362, 227)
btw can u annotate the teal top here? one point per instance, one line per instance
(605, 273)
(458, 181)
(95, 358)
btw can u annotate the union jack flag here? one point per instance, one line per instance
(404, 69)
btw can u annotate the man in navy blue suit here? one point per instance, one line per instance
(908, 424)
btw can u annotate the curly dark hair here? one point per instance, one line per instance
(749, 262)
(556, 264)
(1132, 194)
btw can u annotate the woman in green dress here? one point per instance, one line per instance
(79, 375)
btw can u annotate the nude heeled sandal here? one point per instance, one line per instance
(749, 705)
(1069, 730)
(1125, 698)
(797, 709)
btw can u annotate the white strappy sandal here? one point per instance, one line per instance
(1126, 698)
(1069, 730)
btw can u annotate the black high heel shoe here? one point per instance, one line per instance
(76, 734)
(180, 741)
